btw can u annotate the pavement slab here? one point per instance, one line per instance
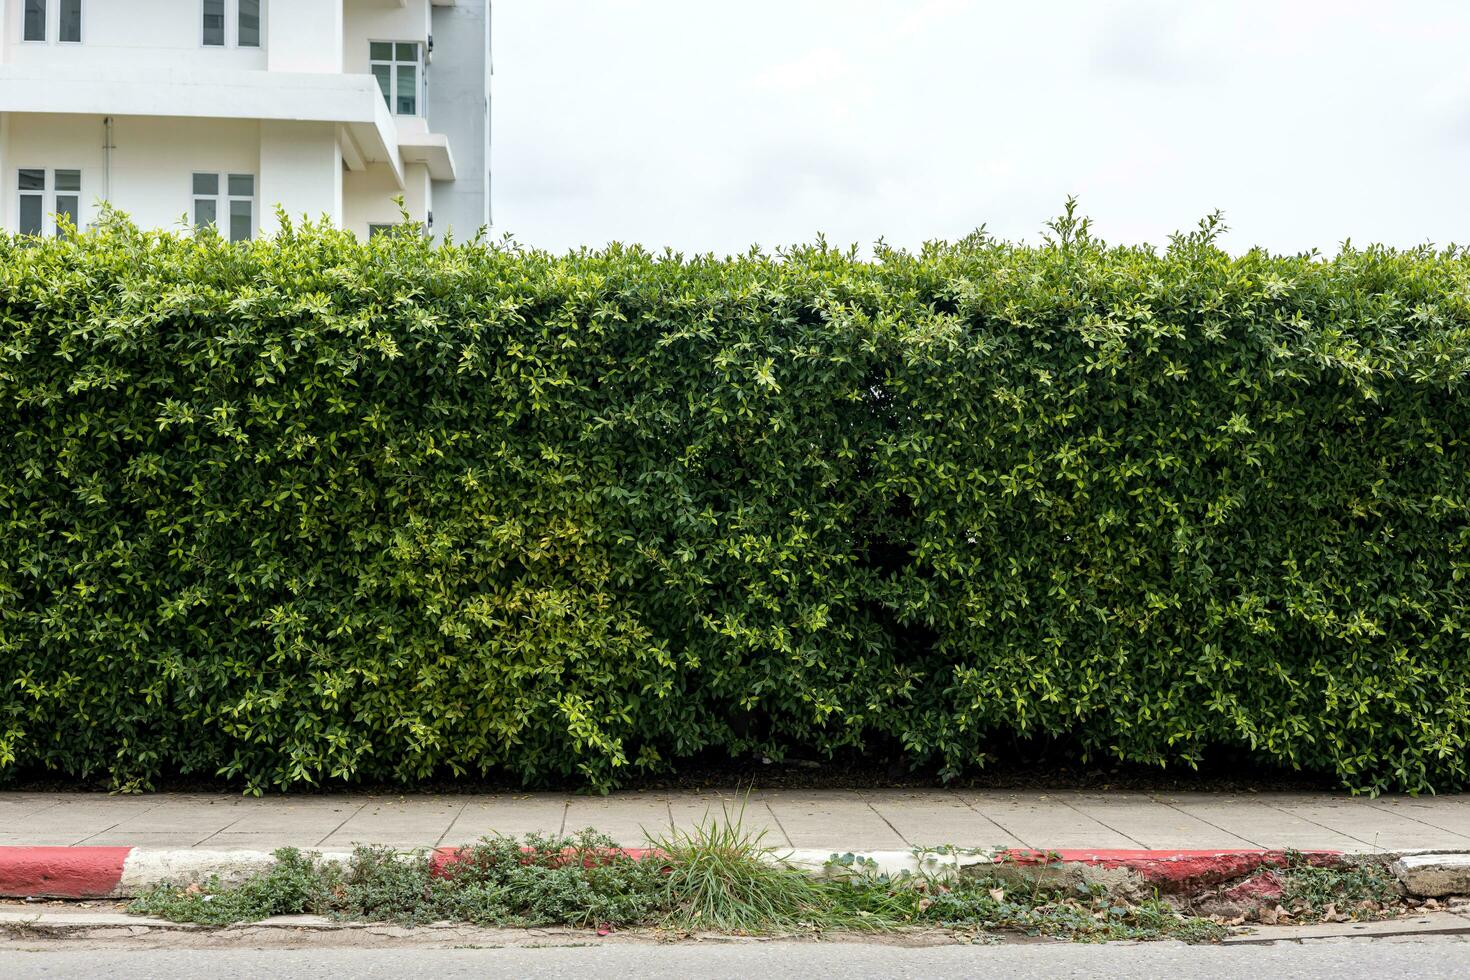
(1153, 823)
(815, 819)
(630, 820)
(1046, 821)
(927, 819)
(1376, 828)
(1255, 820)
(515, 814)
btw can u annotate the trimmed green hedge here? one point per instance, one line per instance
(314, 510)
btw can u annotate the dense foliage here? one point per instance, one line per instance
(313, 509)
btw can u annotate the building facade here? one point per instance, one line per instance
(183, 113)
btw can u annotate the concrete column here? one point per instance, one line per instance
(304, 35)
(459, 107)
(300, 170)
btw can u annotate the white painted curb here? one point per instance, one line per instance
(147, 869)
(1431, 875)
(887, 862)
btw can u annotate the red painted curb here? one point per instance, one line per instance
(61, 872)
(1173, 870)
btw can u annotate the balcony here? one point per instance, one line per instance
(370, 133)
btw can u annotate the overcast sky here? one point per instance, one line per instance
(710, 125)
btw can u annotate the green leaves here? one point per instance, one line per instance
(318, 510)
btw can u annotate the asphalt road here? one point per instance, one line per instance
(1328, 959)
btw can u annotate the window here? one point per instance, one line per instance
(214, 23)
(247, 24)
(43, 203)
(384, 229)
(228, 197)
(35, 22)
(32, 202)
(397, 68)
(246, 21)
(68, 198)
(71, 21)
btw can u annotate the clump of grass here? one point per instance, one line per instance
(722, 876)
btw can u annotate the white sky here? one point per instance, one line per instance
(710, 125)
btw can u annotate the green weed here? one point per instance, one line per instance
(1364, 890)
(718, 877)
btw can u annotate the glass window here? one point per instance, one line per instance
(226, 197)
(35, 25)
(242, 206)
(68, 198)
(32, 202)
(248, 24)
(375, 230)
(32, 209)
(205, 209)
(241, 223)
(206, 200)
(408, 90)
(71, 21)
(68, 206)
(396, 67)
(214, 23)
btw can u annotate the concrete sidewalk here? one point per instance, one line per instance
(841, 820)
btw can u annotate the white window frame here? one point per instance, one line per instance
(420, 81)
(81, 22)
(45, 37)
(222, 200)
(51, 23)
(48, 195)
(232, 27)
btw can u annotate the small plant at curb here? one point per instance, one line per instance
(295, 884)
(1302, 892)
(1359, 891)
(978, 904)
(542, 881)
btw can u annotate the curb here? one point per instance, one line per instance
(1135, 871)
(121, 872)
(1434, 875)
(124, 872)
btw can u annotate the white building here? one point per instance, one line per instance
(184, 112)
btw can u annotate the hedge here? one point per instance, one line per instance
(315, 510)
